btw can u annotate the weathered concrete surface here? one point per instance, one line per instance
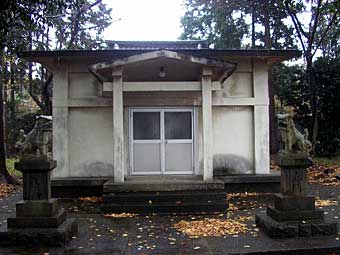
(90, 142)
(233, 153)
(39, 235)
(163, 183)
(43, 208)
(261, 117)
(286, 229)
(83, 125)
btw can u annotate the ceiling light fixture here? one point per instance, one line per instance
(162, 72)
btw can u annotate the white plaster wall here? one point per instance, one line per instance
(90, 142)
(238, 85)
(243, 64)
(233, 139)
(82, 85)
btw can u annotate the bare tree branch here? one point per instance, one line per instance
(326, 31)
(75, 23)
(297, 25)
(314, 26)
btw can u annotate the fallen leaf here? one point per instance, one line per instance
(91, 199)
(211, 227)
(120, 215)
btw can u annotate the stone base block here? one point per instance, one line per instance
(39, 237)
(37, 208)
(295, 215)
(299, 160)
(276, 229)
(286, 203)
(37, 222)
(35, 165)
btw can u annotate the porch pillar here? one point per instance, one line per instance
(261, 117)
(207, 124)
(118, 130)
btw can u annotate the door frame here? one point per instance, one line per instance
(162, 139)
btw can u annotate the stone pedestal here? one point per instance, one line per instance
(293, 213)
(39, 219)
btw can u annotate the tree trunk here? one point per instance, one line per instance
(268, 42)
(12, 119)
(253, 21)
(314, 102)
(4, 175)
(273, 129)
(272, 122)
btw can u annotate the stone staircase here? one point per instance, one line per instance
(189, 201)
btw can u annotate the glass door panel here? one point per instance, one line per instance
(146, 126)
(178, 147)
(146, 142)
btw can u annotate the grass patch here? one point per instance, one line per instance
(10, 167)
(328, 161)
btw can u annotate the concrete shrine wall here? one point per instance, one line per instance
(233, 139)
(83, 135)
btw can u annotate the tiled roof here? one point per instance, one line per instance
(155, 45)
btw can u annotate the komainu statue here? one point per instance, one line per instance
(37, 144)
(292, 139)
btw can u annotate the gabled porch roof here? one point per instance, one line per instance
(146, 66)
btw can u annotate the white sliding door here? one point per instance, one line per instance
(161, 141)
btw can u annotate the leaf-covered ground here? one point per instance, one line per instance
(233, 231)
(325, 171)
(230, 232)
(6, 189)
(328, 175)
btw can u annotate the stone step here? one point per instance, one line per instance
(155, 197)
(185, 208)
(148, 184)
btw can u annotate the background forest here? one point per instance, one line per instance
(311, 84)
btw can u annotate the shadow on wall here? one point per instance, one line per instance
(228, 164)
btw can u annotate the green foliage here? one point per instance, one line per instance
(292, 89)
(290, 86)
(215, 21)
(226, 23)
(328, 90)
(10, 167)
(81, 24)
(41, 25)
(18, 17)
(328, 161)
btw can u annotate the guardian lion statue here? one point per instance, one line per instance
(37, 144)
(292, 139)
